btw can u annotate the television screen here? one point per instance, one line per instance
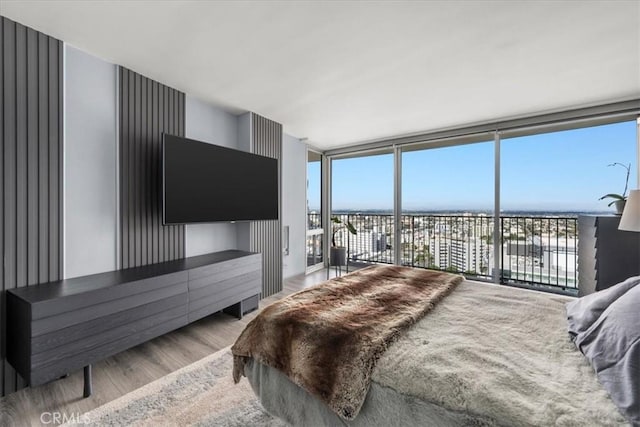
(207, 183)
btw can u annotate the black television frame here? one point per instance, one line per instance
(213, 221)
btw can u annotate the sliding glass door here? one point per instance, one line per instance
(315, 232)
(362, 195)
(447, 208)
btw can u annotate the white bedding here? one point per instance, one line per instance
(486, 355)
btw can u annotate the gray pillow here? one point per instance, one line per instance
(612, 345)
(581, 313)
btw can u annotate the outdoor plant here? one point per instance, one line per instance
(617, 197)
(338, 225)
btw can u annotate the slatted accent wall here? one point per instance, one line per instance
(30, 167)
(266, 236)
(147, 109)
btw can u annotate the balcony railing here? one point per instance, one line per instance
(534, 250)
(540, 250)
(315, 239)
(314, 221)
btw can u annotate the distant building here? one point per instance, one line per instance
(561, 256)
(532, 248)
(378, 241)
(470, 254)
(369, 245)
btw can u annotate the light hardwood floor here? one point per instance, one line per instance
(136, 367)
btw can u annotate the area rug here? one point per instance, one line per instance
(201, 394)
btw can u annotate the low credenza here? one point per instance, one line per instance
(59, 327)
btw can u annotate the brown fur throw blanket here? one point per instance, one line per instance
(328, 338)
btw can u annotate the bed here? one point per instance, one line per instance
(484, 355)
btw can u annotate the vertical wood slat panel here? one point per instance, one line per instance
(170, 129)
(21, 207)
(161, 124)
(130, 213)
(43, 155)
(174, 128)
(30, 167)
(150, 153)
(181, 131)
(134, 172)
(266, 236)
(60, 176)
(124, 125)
(152, 109)
(142, 173)
(165, 230)
(9, 200)
(3, 286)
(153, 179)
(165, 128)
(32, 155)
(21, 155)
(55, 168)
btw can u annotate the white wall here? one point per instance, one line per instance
(207, 123)
(294, 179)
(90, 164)
(91, 172)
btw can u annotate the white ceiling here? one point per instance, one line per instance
(341, 73)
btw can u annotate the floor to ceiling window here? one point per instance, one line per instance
(315, 232)
(567, 170)
(447, 207)
(362, 195)
(514, 222)
(547, 180)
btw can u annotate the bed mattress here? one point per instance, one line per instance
(485, 355)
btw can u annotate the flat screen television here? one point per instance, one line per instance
(208, 183)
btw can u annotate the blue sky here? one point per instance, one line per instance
(555, 171)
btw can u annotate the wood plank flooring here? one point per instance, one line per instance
(136, 367)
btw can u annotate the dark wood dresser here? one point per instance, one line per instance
(606, 255)
(58, 327)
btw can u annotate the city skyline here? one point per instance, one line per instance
(555, 172)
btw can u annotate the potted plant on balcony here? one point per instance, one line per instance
(338, 254)
(619, 200)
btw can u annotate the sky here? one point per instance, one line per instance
(559, 171)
